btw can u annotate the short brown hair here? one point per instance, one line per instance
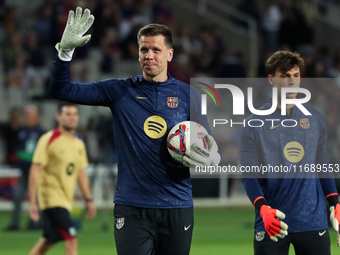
(62, 104)
(156, 29)
(283, 61)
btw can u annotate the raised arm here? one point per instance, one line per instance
(103, 93)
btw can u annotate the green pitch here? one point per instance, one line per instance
(216, 231)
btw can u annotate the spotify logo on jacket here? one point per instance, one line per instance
(155, 126)
(294, 152)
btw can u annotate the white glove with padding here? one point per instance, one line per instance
(200, 157)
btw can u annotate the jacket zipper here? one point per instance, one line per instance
(155, 96)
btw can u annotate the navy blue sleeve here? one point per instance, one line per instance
(195, 109)
(327, 179)
(249, 156)
(103, 93)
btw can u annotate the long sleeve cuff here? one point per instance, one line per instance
(332, 199)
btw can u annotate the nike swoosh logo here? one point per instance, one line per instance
(186, 228)
(271, 127)
(138, 97)
(322, 233)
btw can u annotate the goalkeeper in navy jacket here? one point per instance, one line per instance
(289, 202)
(153, 200)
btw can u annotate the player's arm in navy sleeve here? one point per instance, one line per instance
(249, 156)
(103, 93)
(326, 178)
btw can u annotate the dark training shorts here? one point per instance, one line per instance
(146, 231)
(57, 225)
(304, 243)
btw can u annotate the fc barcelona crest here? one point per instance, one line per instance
(173, 102)
(259, 236)
(120, 223)
(304, 123)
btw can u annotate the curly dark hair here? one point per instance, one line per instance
(283, 61)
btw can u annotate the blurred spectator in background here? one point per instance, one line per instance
(27, 139)
(12, 48)
(108, 16)
(22, 75)
(325, 58)
(59, 17)
(271, 25)
(9, 132)
(250, 8)
(110, 47)
(335, 72)
(43, 24)
(162, 12)
(3, 12)
(183, 71)
(102, 127)
(183, 41)
(261, 71)
(34, 50)
(294, 30)
(143, 13)
(128, 47)
(83, 75)
(231, 67)
(11, 20)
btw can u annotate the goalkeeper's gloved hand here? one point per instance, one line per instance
(199, 156)
(273, 226)
(333, 201)
(335, 217)
(73, 37)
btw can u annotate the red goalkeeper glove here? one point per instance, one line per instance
(274, 227)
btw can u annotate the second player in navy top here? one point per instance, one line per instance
(297, 193)
(289, 202)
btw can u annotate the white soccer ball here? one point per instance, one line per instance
(183, 135)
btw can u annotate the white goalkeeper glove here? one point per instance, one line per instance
(335, 219)
(73, 37)
(199, 156)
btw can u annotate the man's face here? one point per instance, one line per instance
(154, 57)
(68, 118)
(31, 117)
(290, 78)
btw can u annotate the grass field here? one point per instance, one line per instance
(216, 231)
